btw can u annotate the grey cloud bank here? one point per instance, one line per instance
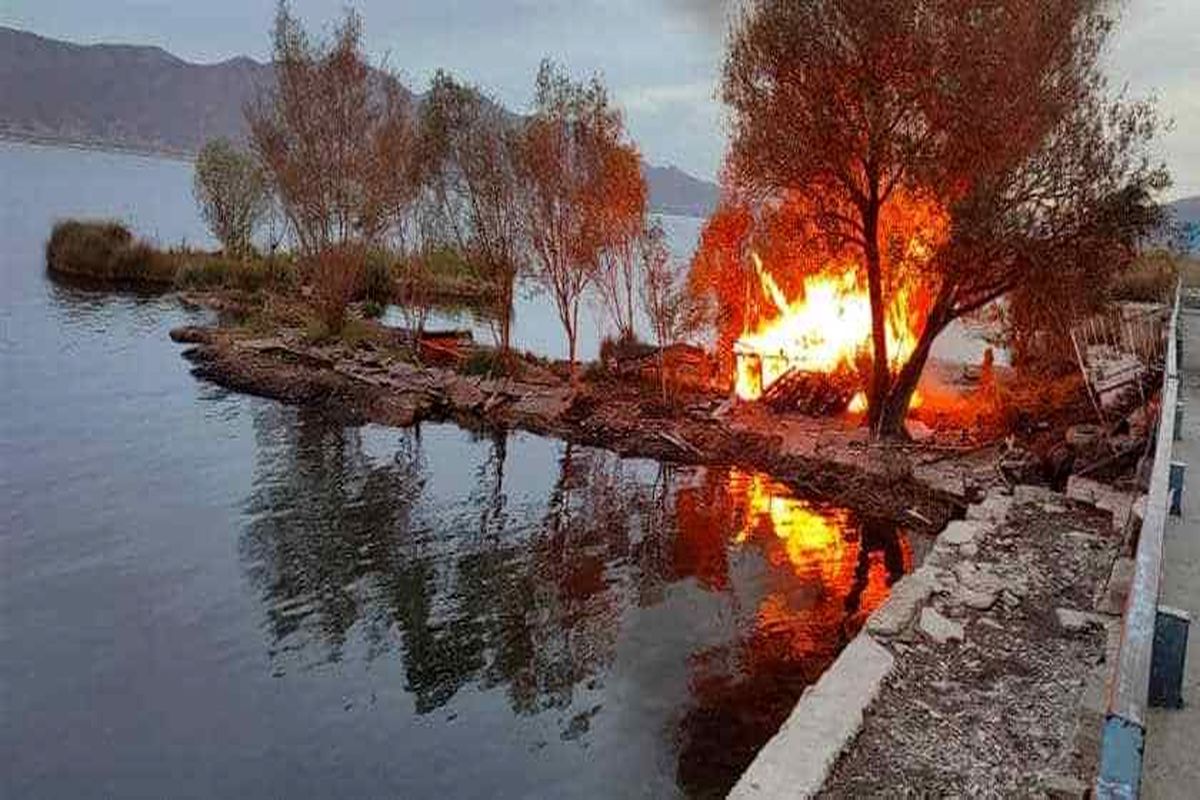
(661, 58)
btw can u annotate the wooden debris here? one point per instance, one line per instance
(812, 393)
(680, 444)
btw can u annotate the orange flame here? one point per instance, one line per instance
(826, 327)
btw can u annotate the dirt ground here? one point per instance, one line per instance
(1013, 708)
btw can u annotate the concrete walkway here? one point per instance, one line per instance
(1172, 760)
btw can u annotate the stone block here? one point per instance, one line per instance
(908, 595)
(1103, 497)
(939, 628)
(963, 531)
(796, 761)
(1071, 620)
(993, 508)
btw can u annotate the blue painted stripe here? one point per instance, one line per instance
(1120, 759)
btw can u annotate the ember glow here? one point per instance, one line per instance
(826, 326)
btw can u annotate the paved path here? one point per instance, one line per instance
(1172, 761)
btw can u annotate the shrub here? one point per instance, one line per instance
(372, 310)
(204, 271)
(336, 277)
(200, 272)
(480, 362)
(1148, 279)
(624, 348)
(106, 251)
(447, 264)
(232, 193)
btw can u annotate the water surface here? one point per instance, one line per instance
(204, 594)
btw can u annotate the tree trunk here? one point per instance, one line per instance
(571, 353)
(572, 332)
(877, 391)
(662, 371)
(506, 315)
(894, 407)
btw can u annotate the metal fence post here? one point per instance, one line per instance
(1151, 639)
(1175, 482)
(1166, 662)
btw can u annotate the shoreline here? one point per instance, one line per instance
(1013, 607)
(51, 140)
(367, 383)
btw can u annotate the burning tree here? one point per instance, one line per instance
(567, 155)
(942, 153)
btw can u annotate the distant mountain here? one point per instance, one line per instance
(143, 98)
(673, 191)
(128, 96)
(1186, 214)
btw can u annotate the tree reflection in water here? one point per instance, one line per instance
(356, 551)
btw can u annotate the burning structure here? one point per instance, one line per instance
(798, 329)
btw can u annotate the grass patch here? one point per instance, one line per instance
(353, 331)
(107, 252)
(447, 264)
(211, 271)
(489, 362)
(1152, 277)
(448, 275)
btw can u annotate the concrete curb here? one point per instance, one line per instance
(797, 759)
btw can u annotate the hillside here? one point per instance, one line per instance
(1186, 213)
(132, 97)
(143, 98)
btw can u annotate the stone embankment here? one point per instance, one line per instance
(370, 383)
(982, 675)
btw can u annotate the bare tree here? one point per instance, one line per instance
(995, 110)
(334, 136)
(232, 193)
(467, 151)
(664, 297)
(563, 151)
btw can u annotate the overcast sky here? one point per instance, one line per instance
(660, 57)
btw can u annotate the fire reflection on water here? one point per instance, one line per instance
(828, 572)
(718, 593)
(823, 546)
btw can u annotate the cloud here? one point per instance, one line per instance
(709, 15)
(653, 99)
(1153, 55)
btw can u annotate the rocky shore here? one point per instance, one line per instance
(369, 382)
(1000, 658)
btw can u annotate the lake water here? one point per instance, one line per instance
(204, 594)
